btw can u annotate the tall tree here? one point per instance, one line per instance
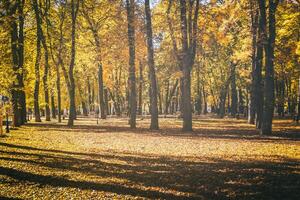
(94, 25)
(17, 49)
(131, 41)
(269, 96)
(69, 75)
(151, 65)
(254, 25)
(37, 61)
(234, 98)
(188, 51)
(259, 101)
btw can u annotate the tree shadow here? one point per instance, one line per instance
(230, 130)
(201, 178)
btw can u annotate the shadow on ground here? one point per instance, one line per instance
(207, 179)
(208, 128)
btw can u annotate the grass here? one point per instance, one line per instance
(221, 159)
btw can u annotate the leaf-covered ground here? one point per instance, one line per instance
(221, 159)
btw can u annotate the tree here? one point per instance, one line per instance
(37, 61)
(131, 79)
(69, 75)
(189, 44)
(17, 49)
(94, 26)
(269, 76)
(253, 92)
(151, 65)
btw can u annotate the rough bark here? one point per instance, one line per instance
(37, 63)
(140, 107)
(153, 93)
(253, 93)
(269, 94)
(259, 101)
(101, 92)
(53, 109)
(71, 85)
(234, 98)
(131, 42)
(187, 59)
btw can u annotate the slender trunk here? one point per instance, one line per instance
(233, 93)
(172, 95)
(22, 97)
(84, 108)
(298, 63)
(205, 101)
(259, 64)
(101, 92)
(106, 98)
(37, 63)
(53, 109)
(140, 109)
(72, 108)
(241, 102)
(58, 94)
(151, 65)
(167, 97)
(253, 91)
(45, 77)
(131, 42)
(223, 95)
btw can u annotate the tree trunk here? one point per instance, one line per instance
(298, 63)
(198, 106)
(84, 108)
(151, 65)
(234, 98)
(45, 77)
(205, 101)
(259, 64)
(22, 97)
(101, 92)
(72, 108)
(131, 42)
(53, 110)
(189, 43)
(253, 91)
(223, 95)
(16, 85)
(167, 97)
(140, 107)
(187, 106)
(269, 75)
(58, 94)
(106, 106)
(37, 63)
